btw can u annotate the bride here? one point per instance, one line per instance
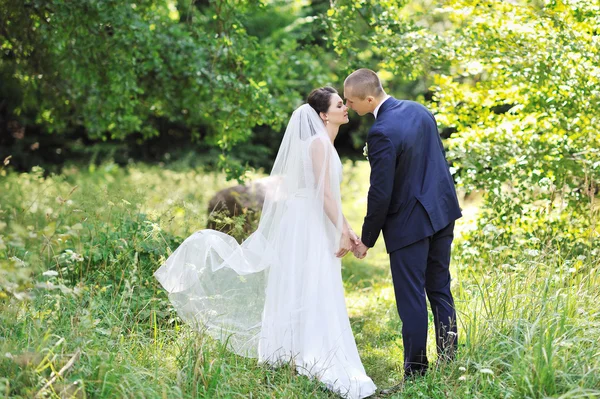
(279, 295)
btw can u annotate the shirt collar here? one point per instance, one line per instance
(377, 109)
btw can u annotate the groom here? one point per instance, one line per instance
(411, 199)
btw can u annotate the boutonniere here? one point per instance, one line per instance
(366, 151)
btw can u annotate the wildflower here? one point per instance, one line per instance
(18, 261)
(153, 229)
(461, 368)
(69, 256)
(50, 273)
(462, 378)
(486, 371)
(489, 229)
(366, 151)
(75, 257)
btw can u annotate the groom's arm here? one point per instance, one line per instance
(382, 157)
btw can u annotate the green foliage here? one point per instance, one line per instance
(86, 244)
(117, 69)
(517, 82)
(89, 226)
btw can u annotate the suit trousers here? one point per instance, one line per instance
(418, 270)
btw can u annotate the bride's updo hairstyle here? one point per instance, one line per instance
(320, 98)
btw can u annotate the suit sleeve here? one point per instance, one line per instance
(382, 157)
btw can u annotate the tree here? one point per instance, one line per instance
(518, 83)
(116, 69)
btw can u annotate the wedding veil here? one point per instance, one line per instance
(218, 285)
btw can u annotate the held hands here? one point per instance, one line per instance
(351, 242)
(358, 248)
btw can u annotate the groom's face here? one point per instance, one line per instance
(358, 105)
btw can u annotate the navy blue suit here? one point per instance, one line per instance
(412, 199)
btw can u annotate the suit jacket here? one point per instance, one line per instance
(412, 194)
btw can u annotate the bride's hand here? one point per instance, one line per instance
(354, 238)
(346, 244)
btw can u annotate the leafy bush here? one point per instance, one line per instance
(113, 69)
(517, 84)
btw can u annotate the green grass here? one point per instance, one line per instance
(529, 324)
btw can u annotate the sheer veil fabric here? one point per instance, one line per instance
(279, 295)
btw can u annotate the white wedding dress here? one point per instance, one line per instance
(279, 295)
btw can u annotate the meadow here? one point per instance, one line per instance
(82, 316)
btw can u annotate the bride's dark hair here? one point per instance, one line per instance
(319, 98)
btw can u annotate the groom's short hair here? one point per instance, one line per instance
(364, 82)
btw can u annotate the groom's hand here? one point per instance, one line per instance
(360, 250)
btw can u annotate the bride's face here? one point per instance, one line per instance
(337, 113)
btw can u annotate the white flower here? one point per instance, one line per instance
(366, 151)
(486, 371)
(532, 252)
(461, 368)
(153, 228)
(75, 257)
(70, 256)
(581, 257)
(489, 229)
(18, 261)
(462, 378)
(50, 273)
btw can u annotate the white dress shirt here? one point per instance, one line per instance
(377, 108)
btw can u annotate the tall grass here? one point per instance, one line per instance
(77, 252)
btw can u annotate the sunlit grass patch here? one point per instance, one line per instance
(77, 253)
